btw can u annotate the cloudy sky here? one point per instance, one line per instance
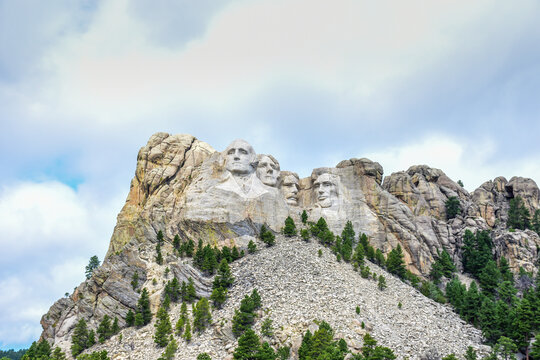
(83, 84)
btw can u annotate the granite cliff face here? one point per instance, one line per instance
(182, 186)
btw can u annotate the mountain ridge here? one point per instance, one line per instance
(183, 187)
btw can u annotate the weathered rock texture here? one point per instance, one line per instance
(184, 187)
(297, 288)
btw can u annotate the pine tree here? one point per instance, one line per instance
(170, 350)
(305, 347)
(198, 257)
(182, 320)
(224, 275)
(159, 237)
(203, 356)
(304, 217)
(159, 257)
(191, 294)
(347, 235)
(218, 297)
(395, 263)
(243, 318)
(130, 318)
(304, 234)
(471, 304)
(535, 223)
(290, 227)
(37, 351)
(104, 329)
(135, 280)
(518, 215)
(208, 261)
(172, 289)
(139, 321)
(489, 277)
(363, 239)
(163, 328)
(535, 349)
(477, 251)
(252, 247)
(359, 255)
(79, 338)
(265, 352)
(267, 236)
(326, 237)
(318, 229)
(504, 269)
(190, 248)
(248, 346)
(522, 324)
(187, 332)
(92, 265)
(58, 354)
(452, 207)
(176, 242)
(201, 316)
(235, 255)
(266, 328)
(283, 353)
(91, 339)
(143, 308)
(487, 319)
(226, 254)
(256, 299)
(506, 347)
(382, 283)
(115, 328)
(321, 339)
(379, 258)
(471, 353)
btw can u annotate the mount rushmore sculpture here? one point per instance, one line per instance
(182, 186)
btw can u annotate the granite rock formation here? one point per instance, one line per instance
(182, 186)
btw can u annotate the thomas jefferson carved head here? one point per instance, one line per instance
(268, 169)
(240, 158)
(326, 190)
(289, 188)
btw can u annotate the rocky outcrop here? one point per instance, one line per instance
(182, 186)
(110, 292)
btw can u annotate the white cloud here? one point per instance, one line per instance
(354, 49)
(48, 231)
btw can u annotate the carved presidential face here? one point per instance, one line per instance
(289, 187)
(326, 190)
(239, 157)
(268, 171)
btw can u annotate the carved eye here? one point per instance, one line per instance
(230, 152)
(242, 151)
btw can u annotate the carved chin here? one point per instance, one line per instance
(292, 201)
(269, 181)
(239, 168)
(325, 203)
